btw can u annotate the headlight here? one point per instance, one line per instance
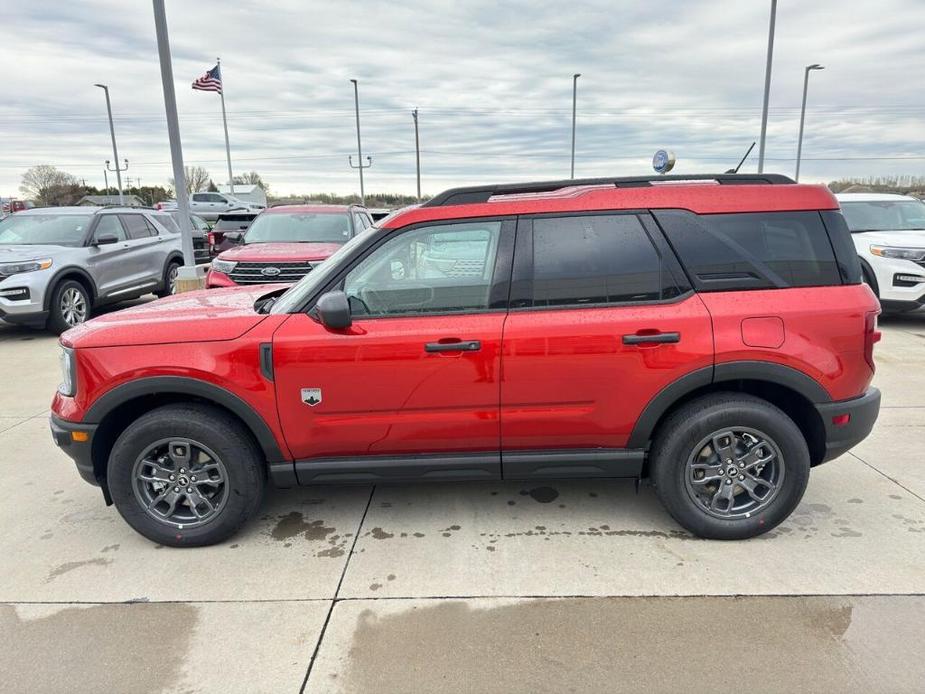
(899, 253)
(25, 266)
(68, 361)
(223, 266)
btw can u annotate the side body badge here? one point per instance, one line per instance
(311, 396)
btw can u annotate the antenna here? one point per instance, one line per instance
(736, 169)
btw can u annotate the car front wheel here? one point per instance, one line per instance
(186, 475)
(729, 466)
(69, 306)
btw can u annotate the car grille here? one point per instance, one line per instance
(200, 250)
(253, 273)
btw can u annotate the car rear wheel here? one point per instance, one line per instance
(170, 279)
(69, 306)
(729, 466)
(186, 475)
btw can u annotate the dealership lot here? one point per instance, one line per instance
(485, 586)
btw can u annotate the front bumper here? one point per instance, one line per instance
(843, 433)
(81, 452)
(22, 298)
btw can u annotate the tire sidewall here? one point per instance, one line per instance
(165, 292)
(687, 431)
(240, 459)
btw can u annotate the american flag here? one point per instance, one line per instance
(210, 82)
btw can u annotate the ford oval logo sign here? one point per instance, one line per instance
(270, 271)
(663, 161)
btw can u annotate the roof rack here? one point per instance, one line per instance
(477, 194)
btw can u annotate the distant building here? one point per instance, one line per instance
(96, 200)
(245, 192)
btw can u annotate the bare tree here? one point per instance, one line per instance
(49, 186)
(197, 178)
(252, 178)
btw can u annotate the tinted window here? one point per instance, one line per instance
(593, 260)
(752, 250)
(169, 222)
(200, 197)
(138, 227)
(109, 225)
(437, 269)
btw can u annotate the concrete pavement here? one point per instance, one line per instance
(470, 587)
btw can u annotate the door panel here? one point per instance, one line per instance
(106, 262)
(569, 381)
(382, 392)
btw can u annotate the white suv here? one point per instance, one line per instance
(889, 234)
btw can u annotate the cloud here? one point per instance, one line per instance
(492, 82)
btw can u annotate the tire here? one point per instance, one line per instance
(209, 433)
(685, 448)
(69, 306)
(170, 279)
(868, 277)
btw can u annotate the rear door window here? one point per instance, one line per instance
(138, 227)
(594, 259)
(760, 250)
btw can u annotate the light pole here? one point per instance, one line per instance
(360, 165)
(574, 102)
(417, 151)
(767, 87)
(809, 68)
(112, 132)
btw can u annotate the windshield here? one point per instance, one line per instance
(884, 215)
(299, 227)
(302, 289)
(44, 229)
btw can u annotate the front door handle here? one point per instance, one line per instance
(661, 338)
(454, 346)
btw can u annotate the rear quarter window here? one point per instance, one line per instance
(755, 250)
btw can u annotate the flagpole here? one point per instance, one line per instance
(218, 61)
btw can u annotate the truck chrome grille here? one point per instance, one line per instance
(254, 273)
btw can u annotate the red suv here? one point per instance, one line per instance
(711, 334)
(284, 243)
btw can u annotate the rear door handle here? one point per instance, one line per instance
(457, 346)
(637, 339)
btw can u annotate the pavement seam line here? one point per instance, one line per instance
(881, 472)
(334, 601)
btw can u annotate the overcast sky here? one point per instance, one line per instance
(492, 82)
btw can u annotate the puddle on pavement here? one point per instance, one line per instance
(799, 644)
(136, 648)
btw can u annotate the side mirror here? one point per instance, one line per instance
(334, 310)
(105, 240)
(234, 236)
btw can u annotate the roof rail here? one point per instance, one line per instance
(110, 205)
(477, 194)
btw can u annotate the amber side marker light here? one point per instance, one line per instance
(841, 420)
(80, 436)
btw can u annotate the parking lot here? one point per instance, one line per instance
(479, 587)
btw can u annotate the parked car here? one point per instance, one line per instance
(284, 243)
(889, 234)
(712, 336)
(58, 264)
(235, 223)
(210, 205)
(200, 230)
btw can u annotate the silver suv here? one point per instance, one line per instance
(57, 264)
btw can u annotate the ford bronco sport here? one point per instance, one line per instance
(710, 334)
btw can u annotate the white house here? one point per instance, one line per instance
(246, 192)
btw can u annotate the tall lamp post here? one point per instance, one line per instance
(112, 132)
(767, 86)
(809, 68)
(574, 102)
(360, 165)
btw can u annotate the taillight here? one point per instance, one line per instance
(211, 238)
(871, 337)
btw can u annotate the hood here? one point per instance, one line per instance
(13, 253)
(279, 252)
(899, 239)
(203, 316)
